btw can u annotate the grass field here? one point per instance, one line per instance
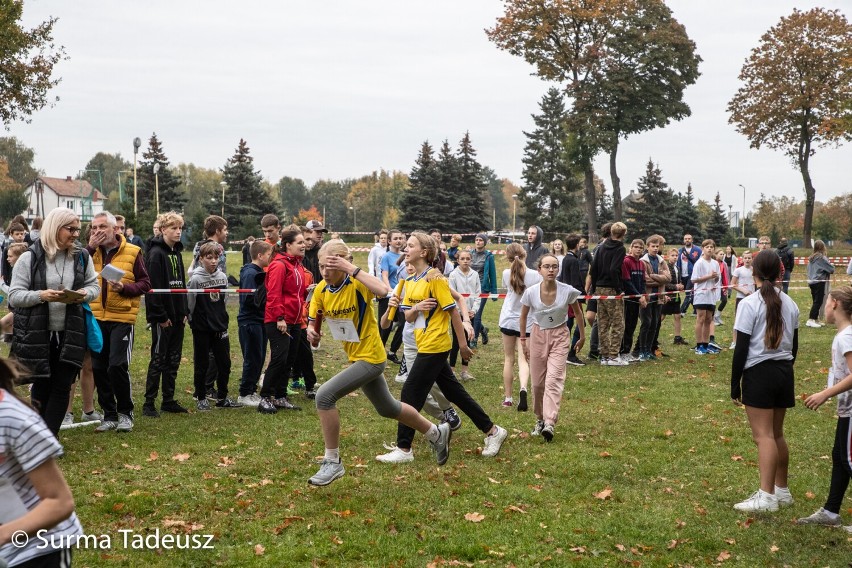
(644, 469)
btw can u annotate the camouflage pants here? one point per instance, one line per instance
(610, 323)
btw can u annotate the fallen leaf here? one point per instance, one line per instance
(206, 475)
(336, 540)
(98, 494)
(492, 480)
(265, 482)
(669, 433)
(809, 494)
(604, 494)
(259, 550)
(620, 547)
(774, 548)
(343, 514)
(180, 457)
(153, 457)
(168, 523)
(737, 458)
(731, 541)
(516, 509)
(724, 555)
(679, 524)
(225, 461)
(474, 517)
(133, 467)
(605, 454)
(672, 544)
(118, 507)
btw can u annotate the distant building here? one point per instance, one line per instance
(48, 193)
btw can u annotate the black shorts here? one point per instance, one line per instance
(769, 385)
(672, 307)
(592, 306)
(706, 307)
(512, 332)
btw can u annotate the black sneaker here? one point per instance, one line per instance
(267, 405)
(594, 356)
(311, 393)
(284, 403)
(522, 405)
(228, 403)
(574, 360)
(174, 407)
(203, 405)
(150, 411)
(451, 418)
(484, 335)
(394, 359)
(211, 395)
(680, 341)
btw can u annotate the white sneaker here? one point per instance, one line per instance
(733, 345)
(617, 362)
(400, 378)
(813, 323)
(760, 501)
(630, 358)
(68, 421)
(494, 442)
(717, 319)
(396, 456)
(821, 517)
(785, 498)
(536, 431)
(92, 416)
(252, 399)
(125, 423)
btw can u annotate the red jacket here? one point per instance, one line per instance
(286, 289)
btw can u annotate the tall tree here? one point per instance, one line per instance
(718, 226)
(686, 215)
(471, 190)
(168, 181)
(203, 190)
(294, 196)
(496, 200)
(27, 58)
(552, 188)
(12, 199)
(19, 159)
(374, 199)
(329, 197)
(418, 204)
(246, 201)
(655, 209)
(797, 84)
(648, 62)
(107, 168)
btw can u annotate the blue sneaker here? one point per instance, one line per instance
(702, 351)
(644, 357)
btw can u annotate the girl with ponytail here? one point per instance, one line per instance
(762, 378)
(516, 279)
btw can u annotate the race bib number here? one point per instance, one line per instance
(343, 330)
(420, 322)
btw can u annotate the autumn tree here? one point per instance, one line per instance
(202, 188)
(294, 196)
(329, 197)
(19, 159)
(12, 198)
(27, 58)
(780, 216)
(375, 199)
(797, 84)
(246, 200)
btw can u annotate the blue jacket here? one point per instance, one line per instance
(249, 311)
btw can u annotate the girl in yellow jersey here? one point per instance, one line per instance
(429, 305)
(343, 298)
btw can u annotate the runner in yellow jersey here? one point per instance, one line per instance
(344, 299)
(429, 305)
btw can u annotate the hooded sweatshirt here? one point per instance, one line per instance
(605, 270)
(207, 312)
(633, 275)
(166, 270)
(535, 249)
(251, 276)
(286, 290)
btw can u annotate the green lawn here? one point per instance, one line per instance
(644, 469)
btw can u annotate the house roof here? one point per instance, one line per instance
(67, 187)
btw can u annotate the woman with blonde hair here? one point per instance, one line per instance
(49, 336)
(516, 279)
(819, 272)
(343, 298)
(557, 248)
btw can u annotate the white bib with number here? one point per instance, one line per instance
(343, 330)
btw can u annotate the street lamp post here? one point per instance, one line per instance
(120, 190)
(744, 211)
(354, 218)
(224, 185)
(136, 144)
(514, 213)
(157, 186)
(82, 174)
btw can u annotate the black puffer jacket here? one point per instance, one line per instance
(31, 337)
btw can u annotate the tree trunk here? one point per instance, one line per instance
(810, 197)
(591, 202)
(616, 183)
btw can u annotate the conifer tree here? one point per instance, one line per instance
(171, 197)
(718, 225)
(686, 215)
(245, 199)
(417, 203)
(655, 212)
(471, 191)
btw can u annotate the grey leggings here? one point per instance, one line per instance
(360, 375)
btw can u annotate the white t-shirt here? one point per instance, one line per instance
(552, 315)
(704, 293)
(745, 279)
(25, 444)
(511, 310)
(751, 319)
(841, 345)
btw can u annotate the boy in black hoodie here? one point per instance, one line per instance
(534, 247)
(571, 274)
(166, 313)
(605, 280)
(209, 320)
(250, 321)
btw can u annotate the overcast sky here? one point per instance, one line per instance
(339, 88)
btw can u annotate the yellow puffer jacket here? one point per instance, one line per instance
(112, 306)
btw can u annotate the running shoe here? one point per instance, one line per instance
(494, 442)
(574, 360)
(328, 472)
(228, 403)
(67, 421)
(203, 405)
(173, 407)
(91, 416)
(125, 423)
(441, 447)
(522, 403)
(536, 431)
(785, 498)
(150, 411)
(680, 341)
(813, 323)
(508, 403)
(547, 432)
(701, 350)
(759, 502)
(311, 394)
(821, 517)
(394, 359)
(484, 335)
(395, 455)
(249, 400)
(267, 405)
(106, 426)
(284, 403)
(466, 376)
(452, 418)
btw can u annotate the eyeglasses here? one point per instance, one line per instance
(72, 230)
(550, 266)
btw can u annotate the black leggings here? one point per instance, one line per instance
(428, 369)
(50, 395)
(840, 467)
(283, 348)
(817, 295)
(454, 352)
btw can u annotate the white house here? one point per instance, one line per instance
(78, 195)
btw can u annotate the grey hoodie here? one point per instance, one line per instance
(535, 250)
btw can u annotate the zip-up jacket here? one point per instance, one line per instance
(606, 266)
(633, 275)
(120, 306)
(655, 278)
(250, 279)
(166, 270)
(488, 278)
(285, 290)
(570, 273)
(536, 249)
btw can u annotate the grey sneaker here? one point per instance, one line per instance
(494, 442)
(821, 517)
(106, 426)
(547, 432)
(785, 498)
(328, 472)
(125, 423)
(249, 400)
(67, 421)
(91, 416)
(441, 448)
(203, 404)
(536, 431)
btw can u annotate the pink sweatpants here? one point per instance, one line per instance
(548, 352)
